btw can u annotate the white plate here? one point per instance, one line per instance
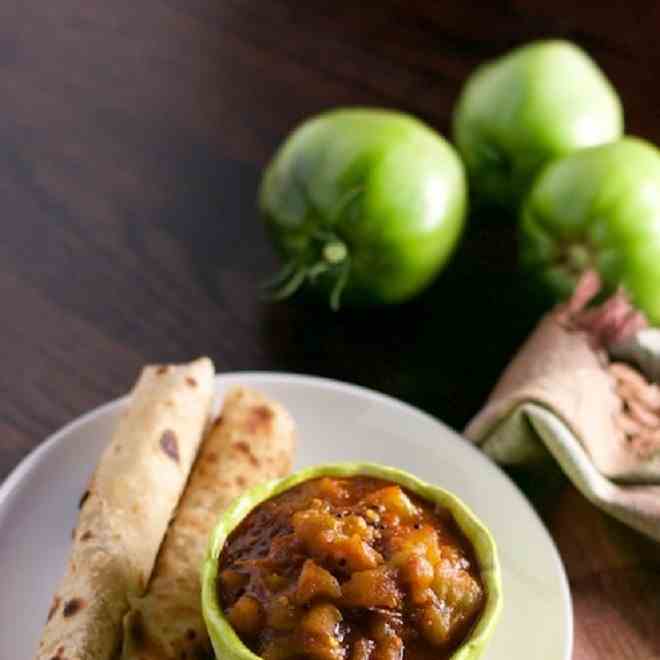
(336, 422)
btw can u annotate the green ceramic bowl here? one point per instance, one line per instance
(227, 643)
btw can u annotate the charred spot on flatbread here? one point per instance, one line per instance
(191, 381)
(244, 448)
(72, 607)
(211, 457)
(259, 418)
(83, 499)
(58, 654)
(170, 444)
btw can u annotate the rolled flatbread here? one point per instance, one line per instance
(253, 441)
(126, 510)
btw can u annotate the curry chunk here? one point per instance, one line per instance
(350, 569)
(355, 554)
(316, 527)
(344, 541)
(457, 589)
(282, 614)
(358, 526)
(434, 622)
(232, 581)
(318, 635)
(315, 582)
(422, 541)
(373, 588)
(246, 615)
(417, 574)
(385, 629)
(393, 500)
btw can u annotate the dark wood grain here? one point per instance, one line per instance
(132, 137)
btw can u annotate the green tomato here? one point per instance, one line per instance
(226, 642)
(598, 208)
(538, 102)
(365, 203)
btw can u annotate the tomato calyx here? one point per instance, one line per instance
(326, 255)
(576, 258)
(571, 261)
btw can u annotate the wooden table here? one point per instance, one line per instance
(132, 137)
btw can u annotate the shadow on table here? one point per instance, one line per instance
(442, 351)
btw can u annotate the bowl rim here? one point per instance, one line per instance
(222, 634)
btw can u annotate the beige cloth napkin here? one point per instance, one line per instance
(600, 420)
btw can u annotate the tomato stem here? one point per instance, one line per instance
(335, 252)
(330, 258)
